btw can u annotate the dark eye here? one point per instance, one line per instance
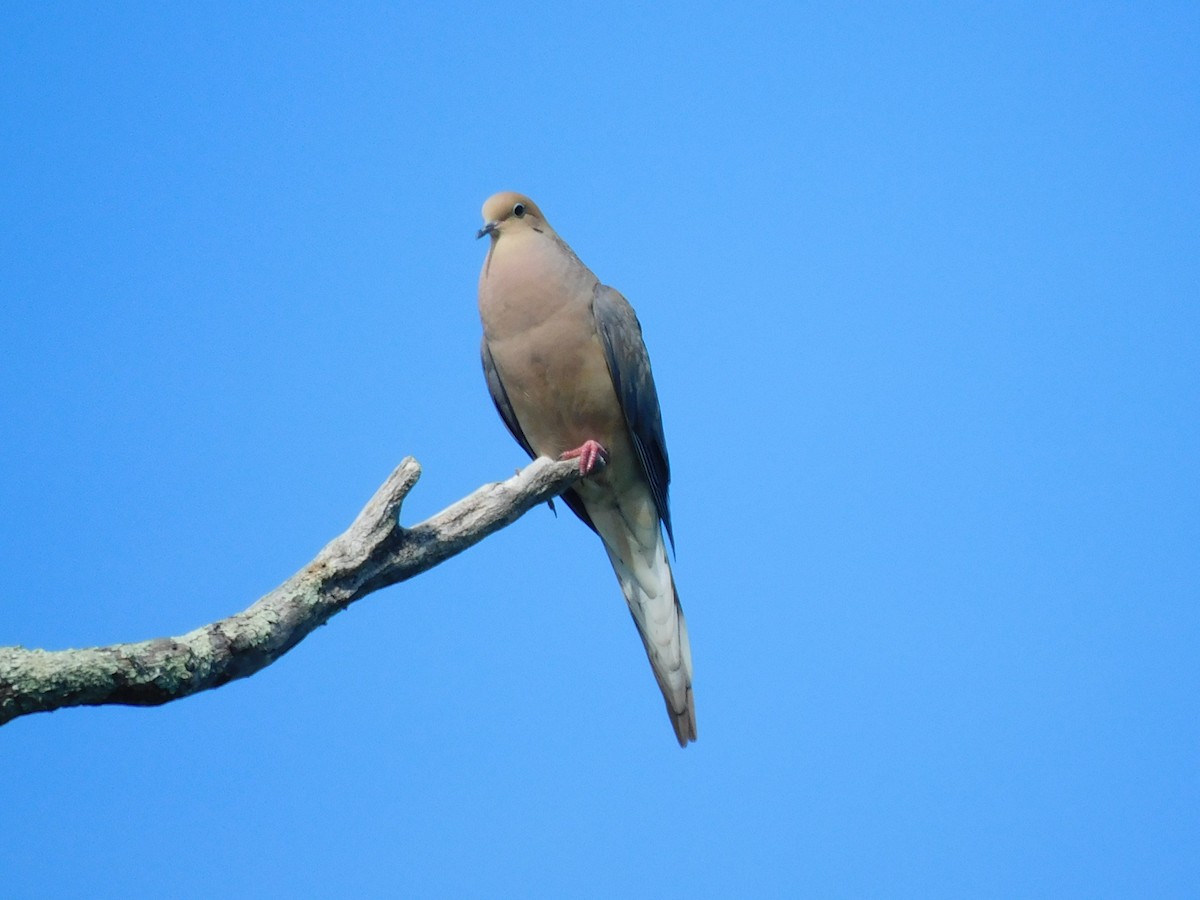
(519, 210)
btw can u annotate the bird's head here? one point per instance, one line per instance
(509, 210)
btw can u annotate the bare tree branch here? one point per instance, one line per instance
(374, 552)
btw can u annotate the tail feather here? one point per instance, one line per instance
(654, 606)
(681, 705)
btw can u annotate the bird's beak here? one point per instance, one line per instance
(489, 228)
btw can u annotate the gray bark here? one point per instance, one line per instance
(373, 553)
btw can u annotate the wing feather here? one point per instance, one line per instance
(629, 364)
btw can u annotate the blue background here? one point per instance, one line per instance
(920, 284)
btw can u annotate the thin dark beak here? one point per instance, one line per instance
(489, 228)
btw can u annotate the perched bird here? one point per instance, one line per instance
(570, 376)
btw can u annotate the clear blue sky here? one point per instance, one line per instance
(921, 286)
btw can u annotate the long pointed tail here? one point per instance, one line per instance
(649, 589)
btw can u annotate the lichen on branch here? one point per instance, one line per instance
(373, 553)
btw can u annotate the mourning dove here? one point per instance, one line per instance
(569, 374)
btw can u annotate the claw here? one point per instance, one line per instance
(588, 454)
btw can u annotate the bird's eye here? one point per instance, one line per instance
(519, 210)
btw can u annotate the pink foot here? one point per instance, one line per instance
(587, 454)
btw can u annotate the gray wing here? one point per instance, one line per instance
(629, 364)
(504, 407)
(500, 398)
